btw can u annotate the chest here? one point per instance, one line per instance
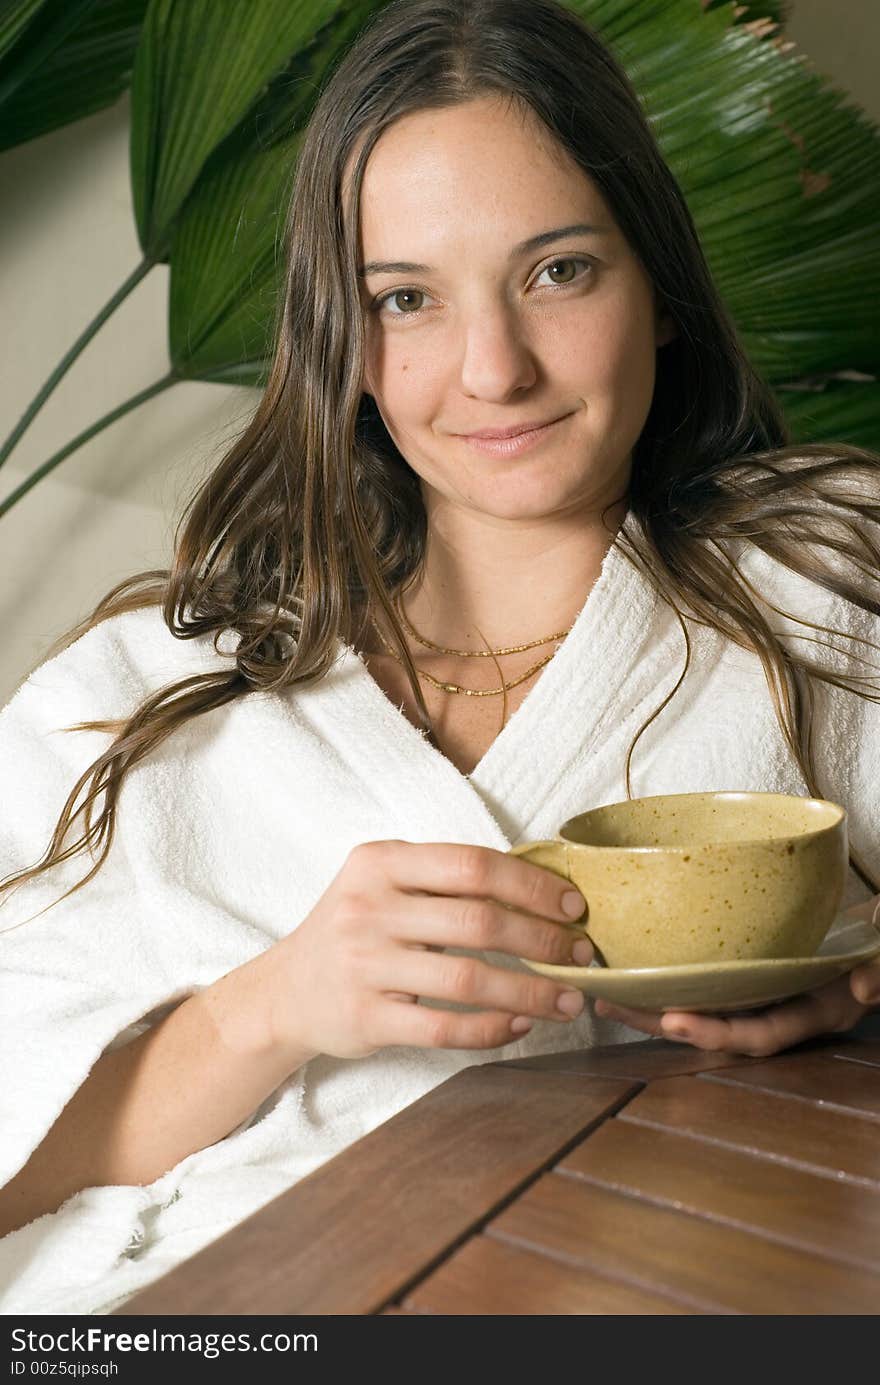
(273, 793)
(464, 727)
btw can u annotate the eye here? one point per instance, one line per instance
(567, 262)
(385, 299)
(416, 297)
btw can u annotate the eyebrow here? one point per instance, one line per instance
(533, 243)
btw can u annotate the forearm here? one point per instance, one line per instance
(179, 1087)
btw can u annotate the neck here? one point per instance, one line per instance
(509, 584)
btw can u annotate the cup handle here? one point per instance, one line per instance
(554, 856)
(551, 855)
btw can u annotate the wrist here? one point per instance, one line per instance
(243, 1008)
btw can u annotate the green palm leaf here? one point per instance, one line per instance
(36, 40)
(782, 176)
(226, 253)
(748, 11)
(842, 411)
(35, 33)
(225, 268)
(174, 146)
(14, 19)
(88, 69)
(200, 66)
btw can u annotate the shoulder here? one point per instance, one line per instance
(110, 669)
(796, 597)
(814, 622)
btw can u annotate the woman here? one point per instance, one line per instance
(393, 643)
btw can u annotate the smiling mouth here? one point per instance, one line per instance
(502, 434)
(512, 444)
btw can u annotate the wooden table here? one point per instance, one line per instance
(648, 1178)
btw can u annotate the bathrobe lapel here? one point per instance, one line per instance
(596, 670)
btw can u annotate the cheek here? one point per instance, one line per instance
(617, 363)
(405, 380)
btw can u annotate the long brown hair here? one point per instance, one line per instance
(313, 518)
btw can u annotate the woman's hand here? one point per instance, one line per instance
(831, 1009)
(345, 981)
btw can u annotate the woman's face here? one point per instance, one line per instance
(481, 330)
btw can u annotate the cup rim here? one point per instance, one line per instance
(726, 794)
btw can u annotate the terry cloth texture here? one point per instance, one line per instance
(229, 833)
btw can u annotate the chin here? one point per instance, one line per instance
(525, 508)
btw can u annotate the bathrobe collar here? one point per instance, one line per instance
(593, 674)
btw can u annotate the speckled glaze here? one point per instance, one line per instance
(705, 877)
(721, 987)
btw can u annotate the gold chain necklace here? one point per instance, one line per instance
(475, 654)
(472, 692)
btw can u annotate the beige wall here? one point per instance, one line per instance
(66, 242)
(842, 38)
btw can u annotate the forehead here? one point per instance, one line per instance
(487, 162)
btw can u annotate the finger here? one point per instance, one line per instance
(830, 1009)
(423, 920)
(649, 1021)
(709, 1032)
(471, 981)
(865, 983)
(450, 868)
(419, 1026)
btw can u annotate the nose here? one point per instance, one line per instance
(497, 359)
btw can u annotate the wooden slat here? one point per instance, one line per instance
(818, 1077)
(808, 1135)
(647, 1059)
(716, 1268)
(489, 1277)
(351, 1236)
(865, 1051)
(818, 1214)
(642, 1060)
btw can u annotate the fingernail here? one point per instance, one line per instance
(582, 953)
(570, 1003)
(521, 1025)
(573, 904)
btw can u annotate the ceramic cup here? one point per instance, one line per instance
(703, 877)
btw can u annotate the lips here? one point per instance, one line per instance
(512, 441)
(498, 434)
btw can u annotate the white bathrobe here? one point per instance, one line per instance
(231, 831)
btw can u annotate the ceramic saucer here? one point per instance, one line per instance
(721, 986)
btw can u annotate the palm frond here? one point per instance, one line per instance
(226, 253)
(839, 411)
(14, 19)
(755, 11)
(200, 67)
(781, 173)
(88, 70)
